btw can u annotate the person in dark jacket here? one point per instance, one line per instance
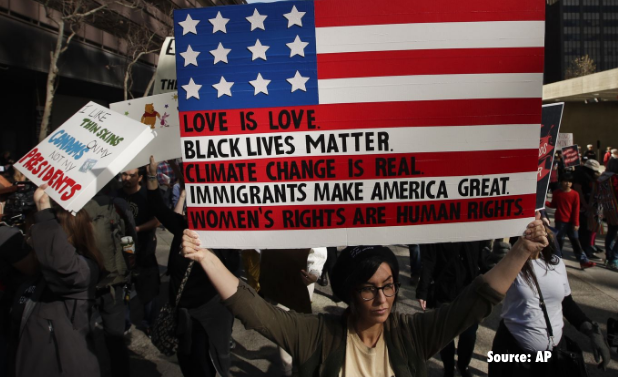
(146, 272)
(204, 347)
(447, 269)
(370, 338)
(52, 315)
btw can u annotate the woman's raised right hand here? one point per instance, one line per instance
(41, 199)
(191, 246)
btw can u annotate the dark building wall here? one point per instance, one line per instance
(591, 122)
(575, 28)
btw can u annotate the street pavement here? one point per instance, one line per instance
(594, 289)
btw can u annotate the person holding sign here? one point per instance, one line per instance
(370, 338)
(532, 321)
(204, 341)
(53, 315)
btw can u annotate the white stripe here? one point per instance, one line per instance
(399, 140)
(238, 194)
(430, 88)
(430, 36)
(419, 234)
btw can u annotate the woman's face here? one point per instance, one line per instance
(378, 309)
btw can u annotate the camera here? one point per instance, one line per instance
(19, 203)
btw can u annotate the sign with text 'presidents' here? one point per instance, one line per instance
(81, 156)
(354, 122)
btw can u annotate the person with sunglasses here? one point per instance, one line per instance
(370, 338)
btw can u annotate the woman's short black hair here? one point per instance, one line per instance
(357, 264)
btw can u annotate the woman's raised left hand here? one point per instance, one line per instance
(191, 246)
(534, 238)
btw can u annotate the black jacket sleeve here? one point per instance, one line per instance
(66, 272)
(573, 313)
(170, 219)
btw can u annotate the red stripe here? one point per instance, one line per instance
(343, 215)
(336, 168)
(369, 12)
(371, 115)
(430, 62)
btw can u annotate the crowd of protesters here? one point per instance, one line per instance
(58, 272)
(584, 198)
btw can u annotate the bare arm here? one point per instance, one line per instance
(532, 241)
(181, 202)
(148, 225)
(224, 281)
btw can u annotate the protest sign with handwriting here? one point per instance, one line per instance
(81, 156)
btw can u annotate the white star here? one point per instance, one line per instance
(218, 23)
(257, 20)
(220, 53)
(258, 51)
(188, 25)
(190, 56)
(192, 89)
(298, 82)
(297, 47)
(294, 17)
(223, 87)
(260, 85)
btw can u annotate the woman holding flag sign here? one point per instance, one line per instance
(370, 338)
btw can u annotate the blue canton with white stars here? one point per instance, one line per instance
(247, 56)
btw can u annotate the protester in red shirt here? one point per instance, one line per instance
(608, 155)
(566, 203)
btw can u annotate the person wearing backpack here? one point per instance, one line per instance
(605, 206)
(110, 224)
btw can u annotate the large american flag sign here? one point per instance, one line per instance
(341, 122)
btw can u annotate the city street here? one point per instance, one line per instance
(595, 290)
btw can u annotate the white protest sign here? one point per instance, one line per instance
(564, 140)
(160, 113)
(336, 129)
(81, 156)
(165, 76)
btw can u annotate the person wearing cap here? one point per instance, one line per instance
(370, 338)
(590, 154)
(584, 178)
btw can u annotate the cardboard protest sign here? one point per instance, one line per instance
(551, 117)
(564, 140)
(81, 156)
(570, 155)
(165, 75)
(159, 113)
(350, 122)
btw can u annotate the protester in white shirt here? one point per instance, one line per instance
(524, 328)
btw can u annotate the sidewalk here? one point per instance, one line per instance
(595, 290)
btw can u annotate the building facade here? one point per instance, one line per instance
(575, 28)
(91, 69)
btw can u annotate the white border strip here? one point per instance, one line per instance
(419, 234)
(430, 36)
(430, 88)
